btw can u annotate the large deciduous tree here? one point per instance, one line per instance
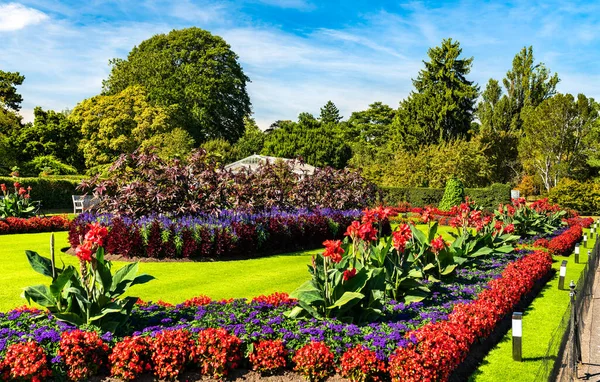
(557, 132)
(51, 134)
(112, 125)
(526, 84)
(194, 70)
(442, 105)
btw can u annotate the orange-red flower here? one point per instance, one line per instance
(96, 234)
(333, 250)
(401, 236)
(352, 229)
(349, 273)
(438, 244)
(84, 251)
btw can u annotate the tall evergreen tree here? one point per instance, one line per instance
(9, 98)
(442, 105)
(330, 113)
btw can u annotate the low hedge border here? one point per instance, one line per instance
(488, 198)
(54, 193)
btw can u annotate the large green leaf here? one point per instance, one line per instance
(505, 249)
(40, 294)
(123, 278)
(39, 264)
(308, 293)
(347, 300)
(61, 281)
(71, 318)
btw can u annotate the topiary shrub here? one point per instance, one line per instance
(454, 194)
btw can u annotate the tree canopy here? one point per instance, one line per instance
(194, 70)
(442, 105)
(112, 125)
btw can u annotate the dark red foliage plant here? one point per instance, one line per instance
(142, 184)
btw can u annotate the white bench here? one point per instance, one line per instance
(82, 202)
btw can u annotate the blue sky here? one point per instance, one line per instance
(299, 53)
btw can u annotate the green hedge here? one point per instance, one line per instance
(488, 197)
(54, 193)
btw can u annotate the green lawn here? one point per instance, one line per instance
(174, 282)
(540, 321)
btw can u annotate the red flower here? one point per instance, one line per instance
(22, 191)
(334, 250)
(96, 234)
(17, 185)
(369, 216)
(509, 228)
(367, 232)
(84, 251)
(498, 225)
(314, 361)
(437, 244)
(3, 187)
(352, 229)
(349, 273)
(427, 215)
(401, 237)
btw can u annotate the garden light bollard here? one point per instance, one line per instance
(585, 240)
(517, 336)
(577, 253)
(592, 233)
(562, 274)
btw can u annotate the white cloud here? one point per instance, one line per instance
(14, 16)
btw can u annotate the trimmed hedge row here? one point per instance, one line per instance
(489, 197)
(53, 192)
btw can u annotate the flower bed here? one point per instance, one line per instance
(564, 244)
(34, 224)
(227, 235)
(432, 337)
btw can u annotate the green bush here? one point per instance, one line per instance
(582, 197)
(454, 194)
(488, 198)
(48, 164)
(53, 192)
